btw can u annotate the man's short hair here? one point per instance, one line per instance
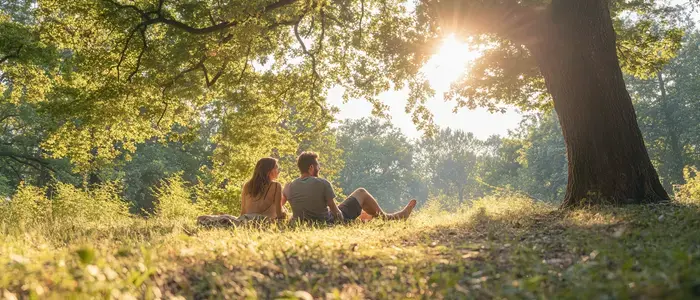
(305, 160)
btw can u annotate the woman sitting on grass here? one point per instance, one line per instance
(261, 197)
(262, 194)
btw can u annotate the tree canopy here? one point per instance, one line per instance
(91, 80)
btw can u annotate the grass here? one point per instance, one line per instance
(496, 248)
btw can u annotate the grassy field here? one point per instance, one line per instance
(496, 248)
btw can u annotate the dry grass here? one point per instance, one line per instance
(495, 248)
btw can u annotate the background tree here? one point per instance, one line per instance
(450, 158)
(668, 104)
(543, 158)
(379, 158)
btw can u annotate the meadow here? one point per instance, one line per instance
(502, 246)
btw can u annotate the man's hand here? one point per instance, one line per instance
(333, 207)
(338, 215)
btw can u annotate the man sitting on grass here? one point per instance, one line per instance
(312, 198)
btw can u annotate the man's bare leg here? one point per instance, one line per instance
(404, 213)
(370, 205)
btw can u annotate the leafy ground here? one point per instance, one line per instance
(496, 248)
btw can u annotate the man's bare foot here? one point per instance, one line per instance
(405, 212)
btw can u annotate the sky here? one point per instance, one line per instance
(444, 67)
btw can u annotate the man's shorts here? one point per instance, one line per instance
(350, 208)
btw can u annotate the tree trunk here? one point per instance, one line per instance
(675, 159)
(608, 161)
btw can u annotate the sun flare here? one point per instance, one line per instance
(449, 63)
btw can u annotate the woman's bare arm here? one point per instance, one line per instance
(244, 208)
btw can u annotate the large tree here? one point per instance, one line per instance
(574, 47)
(131, 70)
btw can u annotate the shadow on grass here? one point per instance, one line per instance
(633, 252)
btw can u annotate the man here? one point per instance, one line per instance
(312, 198)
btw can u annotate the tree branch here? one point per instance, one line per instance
(214, 28)
(167, 86)
(162, 114)
(25, 159)
(147, 20)
(127, 6)
(12, 55)
(198, 65)
(17, 173)
(122, 55)
(245, 63)
(218, 74)
(303, 48)
(506, 18)
(315, 74)
(138, 60)
(7, 117)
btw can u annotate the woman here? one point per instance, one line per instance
(261, 198)
(262, 195)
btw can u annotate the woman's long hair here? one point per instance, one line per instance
(256, 185)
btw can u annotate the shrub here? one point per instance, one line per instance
(690, 191)
(27, 208)
(100, 204)
(213, 199)
(173, 200)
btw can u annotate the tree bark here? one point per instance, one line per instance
(607, 159)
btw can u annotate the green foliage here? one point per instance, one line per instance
(174, 200)
(450, 159)
(666, 106)
(690, 191)
(649, 42)
(379, 158)
(99, 204)
(28, 208)
(543, 157)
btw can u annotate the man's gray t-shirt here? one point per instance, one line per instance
(308, 197)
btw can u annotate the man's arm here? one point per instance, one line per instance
(330, 201)
(278, 203)
(244, 209)
(335, 211)
(283, 200)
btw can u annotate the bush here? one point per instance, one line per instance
(690, 191)
(30, 209)
(213, 199)
(100, 204)
(173, 200)
(27, 208)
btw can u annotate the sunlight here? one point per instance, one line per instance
(449, 63)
